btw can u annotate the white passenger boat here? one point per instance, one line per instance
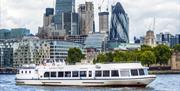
(58, 73)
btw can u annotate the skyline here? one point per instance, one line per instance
(166, 12)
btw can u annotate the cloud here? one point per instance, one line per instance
(29, 13)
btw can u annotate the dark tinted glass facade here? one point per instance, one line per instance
(119, 28)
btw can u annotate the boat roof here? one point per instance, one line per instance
(98, 66)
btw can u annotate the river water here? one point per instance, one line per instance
(162, 83)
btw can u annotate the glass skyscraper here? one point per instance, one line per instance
(62, 6)
(65, 6)
(119, 29)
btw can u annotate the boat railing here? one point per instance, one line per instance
(54, 62)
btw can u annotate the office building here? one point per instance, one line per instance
(103, 22)
(30, 50)
(59, 49)
(168, 39)
(6, 57)
(119, 27)
(48, 17)
(86, 17)
(19, 33)
(4, 34)
(77, 38)
(71, 23)
(149, 39)
(96, 41)
(15, 33)
(62, 6)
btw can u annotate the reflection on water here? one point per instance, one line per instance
(162, 83)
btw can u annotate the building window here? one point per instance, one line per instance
(46, 74)
(106, 73)
(141, 71)
(75, 74)
(90, 73)
(124, 73)
(60, 74)
(53, 74)
(114, 73)
(134, 72)
(67, 73)
(82, 73)
(98, 74)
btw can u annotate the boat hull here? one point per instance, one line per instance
(142, 82)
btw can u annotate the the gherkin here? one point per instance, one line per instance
(119, 29)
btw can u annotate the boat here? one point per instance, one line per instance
(58, 73)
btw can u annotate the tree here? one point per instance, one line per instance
(148, 58)
(162, 53)
(101, 58)
(119, 56)
(177, 48)
(109, 57)
(131, 56)
(74, 55)
(146, 48)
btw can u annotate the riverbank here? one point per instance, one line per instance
(164, 72)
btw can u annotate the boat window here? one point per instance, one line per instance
(98, 73)
(75, 74)
(46, 74)
(124, 73)
(67, 73)
(25, 71)
(53, 74)
(141, 71)
(29, 72)
(106, 73)
(134, 72)
(114, 73)
(82, 73)
(60, 74)
(22, 72)
(90, 73)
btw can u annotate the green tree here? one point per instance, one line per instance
(146, 48)
(148, 58)
(119, 56)
(74, 55)
(177, 48)
(131, 56)
(109, 57)
(101, 58)
(162, 53)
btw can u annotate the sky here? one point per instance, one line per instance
(29, 14)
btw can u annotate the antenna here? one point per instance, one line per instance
(154, 24)
(54, 3)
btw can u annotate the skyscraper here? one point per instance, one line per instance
(48, 16)
(86, 15)
(103, 22)
(70, 23)
(119, 28)
(62, 6)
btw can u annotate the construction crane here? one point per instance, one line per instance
(100, 5)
